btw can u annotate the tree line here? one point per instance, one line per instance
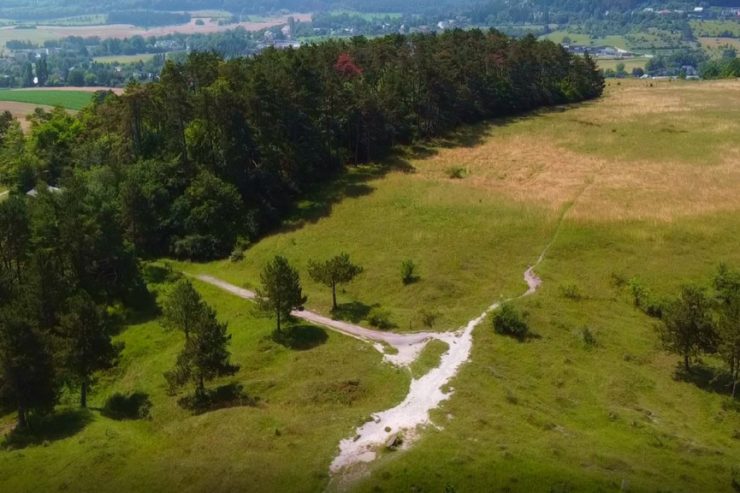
(220, 149)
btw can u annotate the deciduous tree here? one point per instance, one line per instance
(281, 291)
(330, 273)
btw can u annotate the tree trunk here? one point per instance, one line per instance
(22, 418)
(83, 394)
(686, 362)
(277, 312)
(201, 386)
(334, 295)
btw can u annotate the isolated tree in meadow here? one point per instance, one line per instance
(336, 270)
(27, 377)
(205, 355)
(281, 291)
(727, 284)
(181, 307)
(687, 327)
(85, 343)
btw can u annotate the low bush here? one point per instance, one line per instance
(508, 321)
(456, 173)
(571, 291)
(127, 406)
(380, 318)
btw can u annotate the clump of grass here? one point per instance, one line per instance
(408, 272)
(588, 337)
(380, 318)
(571, 291)
(428, 317)
(456, 172)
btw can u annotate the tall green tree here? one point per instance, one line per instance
(182, 307)
(332, 272)
(727, 284)
(687, 327)
(205, 354)
(27, 376)
(15, 235)
(85, 343)
(280, 291)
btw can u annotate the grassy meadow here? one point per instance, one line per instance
(72, 100)
(642, 183)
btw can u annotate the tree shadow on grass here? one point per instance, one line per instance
(706, 378)
(44, 429)
(354, 311)
(223, 397)
(300, 337)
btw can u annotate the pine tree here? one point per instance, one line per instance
(281, 290)
(687, 327)
(182, 307)
(330, 273)
(85, 344)
(27, 378)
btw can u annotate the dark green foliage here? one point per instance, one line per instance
(508, 321)
(28, 381)
(280, 292)
(687, 327)
(205, 355)
(588, 337)
(330, 273)
(127, 406)
(727, 285)
(219, 149)
(85, 344)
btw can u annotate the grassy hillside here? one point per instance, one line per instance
(73, 100)
(642, 183)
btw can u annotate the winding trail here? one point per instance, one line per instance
(425, 393)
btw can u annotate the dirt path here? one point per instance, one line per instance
(407, 346)
(425, 393)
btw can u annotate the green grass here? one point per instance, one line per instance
(648, 181)
(73, 100)
(715, 28)
(123, 59)
(307, 401)
(629, 63)
(429, 358)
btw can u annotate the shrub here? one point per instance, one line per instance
(408, 271)
(571, 291)
(132, 406)
(456, 173)
(380, 318)
(508, 321)
(588, 337)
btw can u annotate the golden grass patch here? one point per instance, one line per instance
(532, 159)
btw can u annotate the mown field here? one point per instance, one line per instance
(72, 100)
(122, 59)
(629, 63)
(643, 183)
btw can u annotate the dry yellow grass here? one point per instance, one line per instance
(656, 150)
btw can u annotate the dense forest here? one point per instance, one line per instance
(217, 148)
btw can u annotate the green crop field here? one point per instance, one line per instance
(73, 100)
(629, 63)
(642, 183)
(123, 59)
